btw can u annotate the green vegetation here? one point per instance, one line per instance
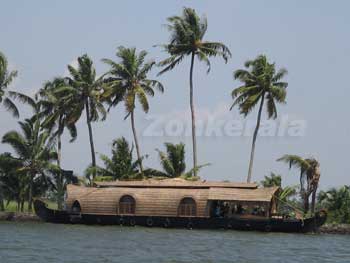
(56, 117)
(286, 193)
(34, 154)
(120, 166)
(173, 163)
(337, 203)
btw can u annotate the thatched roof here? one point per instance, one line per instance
(162, 197)
(243, 195)
(176, 183)
(149, 201)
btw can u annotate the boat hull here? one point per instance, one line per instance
(266, 225)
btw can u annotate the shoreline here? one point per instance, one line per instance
(19, 217)
(340, 229)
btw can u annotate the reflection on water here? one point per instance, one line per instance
(43, 243)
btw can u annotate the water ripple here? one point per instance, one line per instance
(42, 243)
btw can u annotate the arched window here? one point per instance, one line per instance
(127, 205)
(187, 207)
(76, 208)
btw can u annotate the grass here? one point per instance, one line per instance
(12, 206)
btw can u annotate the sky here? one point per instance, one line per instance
(309, 38)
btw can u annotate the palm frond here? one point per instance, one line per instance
(279, 75)
(170, 63)
(166, 163)
(203, 57)
(294, 161)
(11, 107)
(216, 49)
(198, 168)
(17, 142)
(271, 107)
(23, 99)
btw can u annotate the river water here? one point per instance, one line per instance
(43, 243)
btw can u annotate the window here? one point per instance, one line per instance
(187, 207)
(76, 207)
(127, 205)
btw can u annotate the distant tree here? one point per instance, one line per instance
(276, 180)
(173, 162)
(261, 84)
(187, 39)
(128, 82)
(120, 166)
(84, 94)
(272, 180)
(337, 202)
(56, 114)
(12, 182)
(33, 151)
(309, 177)
(6, 78)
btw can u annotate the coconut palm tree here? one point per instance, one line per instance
(84, 93)
(33, 151)
(272, 180)
(187, 39)
(309, 177)
(56, 117)
(173, 162)
(6, 78)
(261, 84)
(55, 112)
(128, 81)
(121, 165)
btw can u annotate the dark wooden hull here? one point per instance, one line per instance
(266, 225)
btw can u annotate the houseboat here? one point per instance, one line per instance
(177, 203)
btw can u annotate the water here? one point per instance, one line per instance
(44, 243)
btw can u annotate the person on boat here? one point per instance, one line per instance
(262, 211)
(234, 209)
(239, 209)
(226, 210)
(218, 211)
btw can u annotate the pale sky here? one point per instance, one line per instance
(309, 38)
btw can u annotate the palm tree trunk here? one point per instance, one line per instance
(2, 206)
(193, 118)
(306, 202)
(92, 147)
(313, 200)
(59, 181)
(249, 178)
(30, 196)
(136, 141)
